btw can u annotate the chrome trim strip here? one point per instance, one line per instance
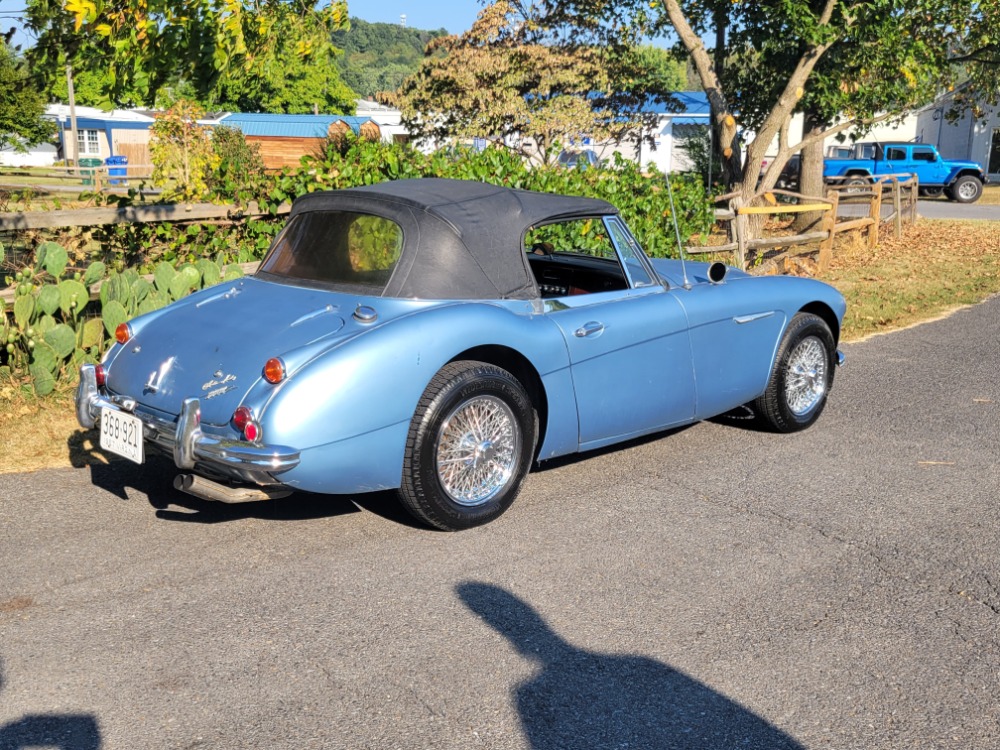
(741, 319)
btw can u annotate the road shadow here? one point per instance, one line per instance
(154, 479)
(58, 731)
(583, 699)
(559, 461)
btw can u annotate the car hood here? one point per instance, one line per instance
(213, 344)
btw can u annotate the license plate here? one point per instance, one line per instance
(121, 433)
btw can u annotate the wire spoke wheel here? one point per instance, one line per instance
(802, 376)
(805, 382)
(469, 447)
(477, 450)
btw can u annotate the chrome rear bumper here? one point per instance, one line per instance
(184, 440)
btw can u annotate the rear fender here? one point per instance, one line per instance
(365, 391)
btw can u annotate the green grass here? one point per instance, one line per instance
(991, 195)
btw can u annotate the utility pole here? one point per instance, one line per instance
(72, 118)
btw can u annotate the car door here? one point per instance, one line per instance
(629, 350)
(928, 167)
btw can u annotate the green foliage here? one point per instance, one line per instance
(21, 106)
(53, 327)
(379, 56)
(182, 154)
(141, 46)
(240, 171)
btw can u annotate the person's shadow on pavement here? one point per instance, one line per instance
(581, 699)
(60, 731)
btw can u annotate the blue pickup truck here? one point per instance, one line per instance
(960, 181)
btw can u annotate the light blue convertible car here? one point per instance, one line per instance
(439, 337)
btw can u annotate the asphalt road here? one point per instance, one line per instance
(945, 209)
(934, 208)
(715, 588)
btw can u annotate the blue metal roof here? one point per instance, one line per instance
(691, 103)
(291, 126)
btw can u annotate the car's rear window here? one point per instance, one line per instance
(340, 248)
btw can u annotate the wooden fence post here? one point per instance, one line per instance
(829, 225)
(897, 207)
(875, 213)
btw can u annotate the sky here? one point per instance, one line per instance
(454, 15)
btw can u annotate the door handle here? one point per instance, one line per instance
(589, 329)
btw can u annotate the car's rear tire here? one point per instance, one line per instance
(470, 445)
(802, 376)
(966, 189)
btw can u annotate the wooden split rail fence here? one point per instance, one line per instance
(91, 217)
(902, 190)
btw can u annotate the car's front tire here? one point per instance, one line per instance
(802, 376)
(469, 447)
(966, 189)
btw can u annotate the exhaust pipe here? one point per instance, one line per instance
(206, 489)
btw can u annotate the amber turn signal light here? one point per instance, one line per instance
(274, 370)
(123, 333)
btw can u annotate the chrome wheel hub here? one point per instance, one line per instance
(477, 450)
(806, 376)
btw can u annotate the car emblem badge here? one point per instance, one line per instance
(219, 384)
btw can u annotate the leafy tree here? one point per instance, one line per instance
(144, 45)
(21, 106)
(182, 153)
(296, 72)
(379, 56)
(847, 63)
(509, 79)
(240, 174)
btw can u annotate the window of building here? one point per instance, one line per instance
(87, 143)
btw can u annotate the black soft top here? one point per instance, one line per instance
(461, 239)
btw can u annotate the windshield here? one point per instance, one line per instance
(336, 248)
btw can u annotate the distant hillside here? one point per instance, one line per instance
(378, 56)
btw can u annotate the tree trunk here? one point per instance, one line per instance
(810, 171)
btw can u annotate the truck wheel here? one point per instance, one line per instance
(966, 189)
(931, 192)
(857, 183)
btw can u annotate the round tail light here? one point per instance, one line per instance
(100, 375)
(123, 333)
(244, 422)
(274, 370)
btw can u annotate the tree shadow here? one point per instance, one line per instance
(583, 699)
(61, 731)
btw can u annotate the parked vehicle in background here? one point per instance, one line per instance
(579, 159)
(789, 177)
(960, 181)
